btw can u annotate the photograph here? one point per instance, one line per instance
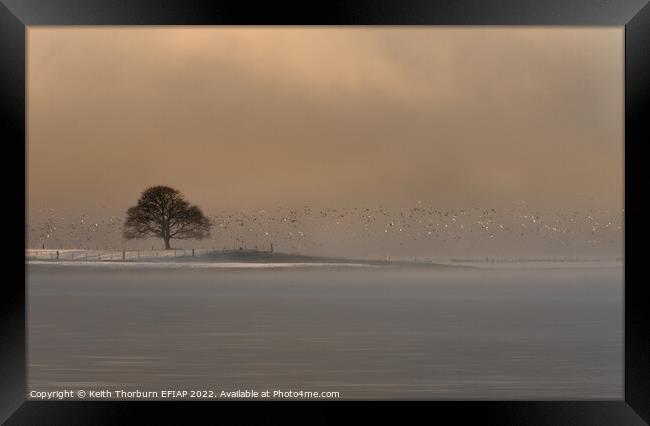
(325, 213)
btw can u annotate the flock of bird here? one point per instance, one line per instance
(309, 228)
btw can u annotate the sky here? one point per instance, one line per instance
(258, 117)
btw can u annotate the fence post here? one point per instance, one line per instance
(57, 255)
(192, 252)
(123, 255)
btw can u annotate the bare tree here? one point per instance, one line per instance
(162, 212)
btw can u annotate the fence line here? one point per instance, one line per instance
(118, 255)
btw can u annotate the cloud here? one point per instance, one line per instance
(247, 116)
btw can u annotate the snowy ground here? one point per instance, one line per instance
(199, 264)
(368, 333)
(209, 258)
(200, 258)
(539, 264)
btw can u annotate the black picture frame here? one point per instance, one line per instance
(17, 15)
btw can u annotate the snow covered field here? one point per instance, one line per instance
(203, 258)
(369, 333)
(222, 265)
(210, 258)
(540, 264)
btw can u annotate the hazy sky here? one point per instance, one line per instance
(254, 117)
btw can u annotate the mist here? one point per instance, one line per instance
(250, 119)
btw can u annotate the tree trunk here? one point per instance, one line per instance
(167, 246)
